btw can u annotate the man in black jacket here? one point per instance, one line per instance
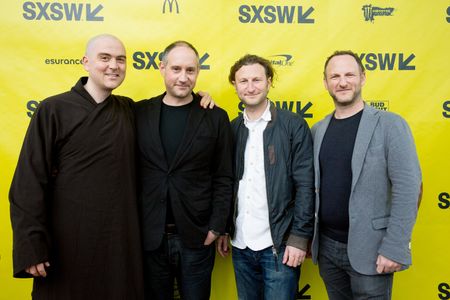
(185, 180)
(273, 191)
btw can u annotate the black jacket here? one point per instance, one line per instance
(198, 182)
(289, 171)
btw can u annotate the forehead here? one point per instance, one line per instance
(253, 70)
(182, 55)
(107, 45)
(342, 63)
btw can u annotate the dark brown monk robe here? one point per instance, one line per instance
(73, 200)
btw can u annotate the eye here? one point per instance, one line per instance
(121, 60)
(104, 58)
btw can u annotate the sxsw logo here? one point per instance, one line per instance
(446, 109)
(282, 60)
(171, 6)
(295, 106)
(388, 61)
(380, 105)
(444, 291)
(150, 60)
(370, 12)
(59, 11)
(275, 14)
(448, 14)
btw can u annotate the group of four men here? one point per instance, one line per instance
(113, 199)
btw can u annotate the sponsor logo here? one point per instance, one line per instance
(448, 14)
(444, 200)
(59, 11)
(63, 61)
(388, 61)
(171, 5)
(446, 109)
(282, 60)
(295, 106)
(444, 291)
(370, 12)
(275, 14)
(146, 60)
(381, 105)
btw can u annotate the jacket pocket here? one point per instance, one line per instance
(380, 223)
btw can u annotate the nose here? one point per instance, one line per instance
(251, 86)
(342, 81)
(113, 64)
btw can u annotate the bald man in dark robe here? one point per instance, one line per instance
(73, 199)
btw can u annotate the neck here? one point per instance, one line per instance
(346, 111)
(174, 101)
(98, 95)
(255, 112)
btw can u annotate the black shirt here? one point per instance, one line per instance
(335, 159)
(172, 123)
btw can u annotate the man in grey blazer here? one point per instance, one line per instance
(368, 181)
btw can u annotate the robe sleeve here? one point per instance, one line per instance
(29, 193)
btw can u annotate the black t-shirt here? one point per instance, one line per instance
(172, 123)
(335, 159)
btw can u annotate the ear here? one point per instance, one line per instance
(269, 83)
(325, 83)
(363, 79)
(162, 68)
(85, 62)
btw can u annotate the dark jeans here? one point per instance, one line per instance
(190, 267)
(342, 281)
(262, 275)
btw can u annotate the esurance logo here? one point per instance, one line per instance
(146, 60)
(170, 6)
(275, 14)
(58, 11)
(388, 61)
(370, 12)
(282, 60)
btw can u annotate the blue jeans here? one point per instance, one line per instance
(342, 281)
(191, 268)
(262, 275)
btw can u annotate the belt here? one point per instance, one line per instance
(170, 229)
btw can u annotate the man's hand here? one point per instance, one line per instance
(293, 257)
(38, 270)
(206, 100)
(211, 237)
(385, 265)
(222, 245)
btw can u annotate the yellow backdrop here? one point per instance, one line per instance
(404, 46)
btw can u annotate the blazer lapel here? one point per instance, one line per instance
(366, 127)
(318, 138)
(154, 140)
(195, 118)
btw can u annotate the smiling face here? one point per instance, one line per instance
(180, 70)
(252, 85)
(344, 80)
(105, 61)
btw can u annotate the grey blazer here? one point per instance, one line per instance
(384, 194)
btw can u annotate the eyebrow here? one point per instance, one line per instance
(108, 54)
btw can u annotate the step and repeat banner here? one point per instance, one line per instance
(404, 46)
